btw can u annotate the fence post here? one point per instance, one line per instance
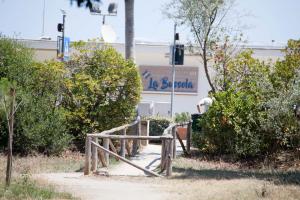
(122, 152)
(94, 155)
(135, 143)
(169, 157)
(162, 159)
(174, 141)
(139, 132)
(106, 146)
(87, 165)
(145, 131)
(188, 138)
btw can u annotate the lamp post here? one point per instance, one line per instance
(176, 37)
(61, 40)
(63, 33)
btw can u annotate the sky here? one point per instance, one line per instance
(266, 20)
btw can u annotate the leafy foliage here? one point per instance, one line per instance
(39, 122)
(102, 91)
(158, 125)
(42, 119)
(254, 115)
(207, 21)
(182, 117)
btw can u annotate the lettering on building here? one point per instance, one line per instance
(159, 79)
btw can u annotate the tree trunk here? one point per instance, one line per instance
(129, 30)
(206, 70)
(10, 138)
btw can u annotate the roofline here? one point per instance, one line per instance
(258, 47)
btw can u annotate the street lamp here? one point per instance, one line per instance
(111, 11)
(63, 32)
(176, 59)
(176, 37)
(61, 40)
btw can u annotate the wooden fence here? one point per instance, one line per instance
(168, 150)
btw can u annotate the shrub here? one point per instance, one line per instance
(182, 117)
(42, 120)
(254, 115)
(158, 125)
(102, 91)
(281, 126)
(39, 122)
(230, 125)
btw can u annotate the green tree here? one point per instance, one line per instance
(42, 118)
(253, 116)
(9, 107)
(40, 121)
(286, 70)
(206, 19)
(102, 91)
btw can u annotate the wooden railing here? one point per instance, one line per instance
(168, 150)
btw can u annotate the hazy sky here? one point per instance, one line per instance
(268, 20)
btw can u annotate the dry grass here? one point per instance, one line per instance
(195, 179)
(68, 162)
(23, 187)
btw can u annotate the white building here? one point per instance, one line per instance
(153, 61)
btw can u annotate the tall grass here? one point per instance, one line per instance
(23, 187)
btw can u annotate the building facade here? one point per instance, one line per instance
(153, 61)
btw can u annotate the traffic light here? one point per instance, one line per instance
(179, 54)
(60, 27)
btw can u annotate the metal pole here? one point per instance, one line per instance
(103, 20)
(63, 37)
(173, 71)
(43, 29)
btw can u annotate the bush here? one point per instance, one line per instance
(182, 117)
(40, 122)
(230, 125)
(158, 125)
(102, 91)
(254, 115)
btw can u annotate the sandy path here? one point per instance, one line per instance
(95, 188)
(106, 188)
(149, 158)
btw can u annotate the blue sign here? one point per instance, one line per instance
(66, 48)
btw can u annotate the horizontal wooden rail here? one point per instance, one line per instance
(168, 151)
(166, 131)
(117, 128)
(132, 137)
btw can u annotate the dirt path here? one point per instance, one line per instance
(108, 188)
(148, 158)
(95, 188)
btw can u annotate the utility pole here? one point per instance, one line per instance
(173, 71)
(43, 29)
(63, 34)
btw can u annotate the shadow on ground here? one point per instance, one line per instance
(291, 177)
